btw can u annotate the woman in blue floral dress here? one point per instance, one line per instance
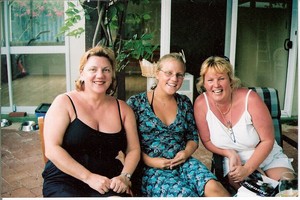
(168, 137)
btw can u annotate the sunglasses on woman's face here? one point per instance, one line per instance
(225, 57)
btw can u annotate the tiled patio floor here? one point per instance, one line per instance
(22, 164)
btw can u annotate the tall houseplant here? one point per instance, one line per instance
(112, 22)
(110, 17)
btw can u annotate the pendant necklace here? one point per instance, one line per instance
(228, 122)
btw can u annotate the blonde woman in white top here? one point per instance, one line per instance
(234, 122)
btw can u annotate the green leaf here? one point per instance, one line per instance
(76, 32)
(112, 13)
(74, 20)
(87, 17)
(134, 36)
(120, 6)
(64, 28)
(147, 36)
(70, 13)
(70, 4)
(78, 17)
(69, 23)
(146, 16)
(76, 10)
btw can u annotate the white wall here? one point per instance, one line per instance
(75, 47)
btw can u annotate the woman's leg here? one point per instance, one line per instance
(275, 173)
(202, 180)
(214, 188)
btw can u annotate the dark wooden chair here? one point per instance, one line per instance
(41, 133)
(271, 99)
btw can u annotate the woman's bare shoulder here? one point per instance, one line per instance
(123, 105)
(200, 99)
(253, 98)
(200, 104)
(62, 98)
(241, 91)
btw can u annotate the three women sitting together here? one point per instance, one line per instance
(102, 146)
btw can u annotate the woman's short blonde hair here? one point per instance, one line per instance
(99, 51)
(220, 65)
(171, 56)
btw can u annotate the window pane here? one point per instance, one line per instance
(35, 22)
(45, 78)
(260, 51)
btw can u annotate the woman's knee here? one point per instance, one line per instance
(214, 188)
(275, 173)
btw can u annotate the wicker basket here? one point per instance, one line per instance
(148, 68)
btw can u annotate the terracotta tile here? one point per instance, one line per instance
(37, 191)
(22, 192)
(15, 177)
(9, 187)
(31, 182)
(22, 164)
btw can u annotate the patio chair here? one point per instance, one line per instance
(270, 97)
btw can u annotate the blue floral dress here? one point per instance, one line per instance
(160, 140)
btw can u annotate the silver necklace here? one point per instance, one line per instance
(224, 113)
(228, 122)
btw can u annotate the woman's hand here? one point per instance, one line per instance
(239, 173)
(234, 159)
(98, 183)
(120, 184)
(236, 170)
(180, 158)
(161, 163)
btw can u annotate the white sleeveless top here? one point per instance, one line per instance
(245, 134)
(246, 138)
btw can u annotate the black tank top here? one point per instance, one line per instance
(95, 150)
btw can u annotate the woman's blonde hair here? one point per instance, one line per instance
(174, 56)
(220, 65)
(99, 51)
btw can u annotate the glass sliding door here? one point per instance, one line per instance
(45, 79)
(263, 44)
(197, 28)
(33, 56)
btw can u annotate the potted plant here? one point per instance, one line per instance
(110, 17)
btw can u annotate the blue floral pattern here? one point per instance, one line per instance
(160, 140)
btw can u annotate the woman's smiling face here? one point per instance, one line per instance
(97, 73)
(170, 76)
(217, 84)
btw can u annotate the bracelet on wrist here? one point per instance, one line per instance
(127, 175)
